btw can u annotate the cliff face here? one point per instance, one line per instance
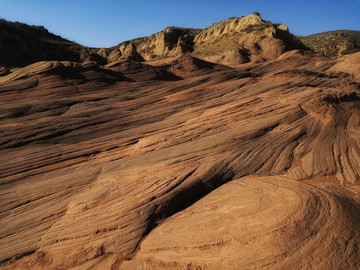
(165, 42)
(169, 42)
(229, 26)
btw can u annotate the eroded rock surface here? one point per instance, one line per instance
(112, 167)
(235, 226)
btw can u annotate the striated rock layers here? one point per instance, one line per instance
(181, 164)
(235, 227)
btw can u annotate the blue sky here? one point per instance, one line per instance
(105, 23)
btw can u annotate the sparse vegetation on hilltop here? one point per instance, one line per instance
(333, 43)
(22, 44)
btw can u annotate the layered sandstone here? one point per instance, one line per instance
(181, 164)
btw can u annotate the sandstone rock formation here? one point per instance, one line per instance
(239, 40)
(349, 64)
(164, 43)
(207, 166)
(235, 227)
(234, 41)
(4, 71)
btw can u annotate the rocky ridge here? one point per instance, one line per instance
(233, 41)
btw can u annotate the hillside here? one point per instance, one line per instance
(21, 45)
(233, 41)
(333, 43)
(244, 39)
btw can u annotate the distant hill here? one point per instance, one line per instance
(243, 39)
(22, 44)
(333, 43)
(233, 41)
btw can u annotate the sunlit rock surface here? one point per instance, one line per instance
(181, 164)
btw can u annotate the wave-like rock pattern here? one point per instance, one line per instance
(92, 161)
(235, 227)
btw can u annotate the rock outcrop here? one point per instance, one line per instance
(4, 71)
(233, 227)
(172, 41)
(244, 39)
(234, 41)
(350, 64)
(126, 51)
(164, 43)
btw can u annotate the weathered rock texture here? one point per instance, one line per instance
(235, 227)
(239, 40)
(234, 41)
(167, 42)
(201, 167)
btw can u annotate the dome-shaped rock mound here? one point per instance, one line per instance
(350, 64)
(185, 65)
(46, 68)
(138, 71)
(258, 223)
